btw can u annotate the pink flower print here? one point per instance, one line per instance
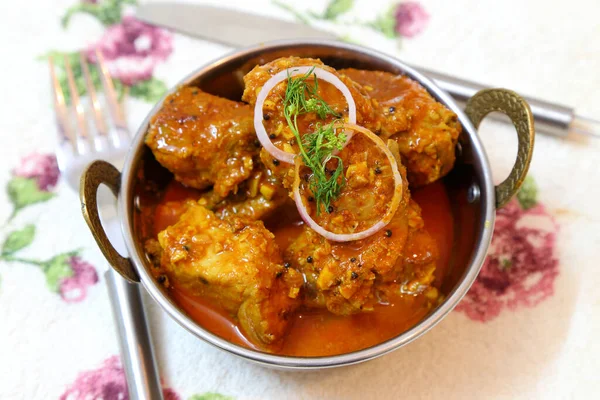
(521, 266)
(411, 18)
(132, 49)
(43, 168)
(73, 289)
(107, 382)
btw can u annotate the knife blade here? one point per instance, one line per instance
(240, 29)
(225, 25)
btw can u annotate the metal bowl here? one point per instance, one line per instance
(473, 196)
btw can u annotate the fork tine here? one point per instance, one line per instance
(111, 96)
(91, 90)
(60, 106)
(124, 99)
(79, 112)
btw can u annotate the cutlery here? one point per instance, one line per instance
(239, 29)
(78, 146)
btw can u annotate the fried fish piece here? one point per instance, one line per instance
(427, 144)
(235, 262)
(204, 140)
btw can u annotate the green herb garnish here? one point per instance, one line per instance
(316, 148)
(301, 98)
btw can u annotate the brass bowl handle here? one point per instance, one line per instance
(517, 109)
(97, 173)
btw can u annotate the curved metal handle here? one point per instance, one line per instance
(517, 109)
(97, 173)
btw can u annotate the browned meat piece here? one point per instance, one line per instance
(255, 79)
(350, 277)
(257, 197)
(236, 263)
(427, 144)
(204, 140)
(415, 271)
(341, 275)
(275, 122)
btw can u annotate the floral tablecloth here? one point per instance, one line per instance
(528, 328)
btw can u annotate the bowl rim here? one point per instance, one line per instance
(487, 200)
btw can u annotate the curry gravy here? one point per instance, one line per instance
(315, 332)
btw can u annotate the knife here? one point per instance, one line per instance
(225, 25)
(240, 29)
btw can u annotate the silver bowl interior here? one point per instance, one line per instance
(473, 215)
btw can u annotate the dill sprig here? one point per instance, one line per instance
(316, 148)
(320, 145)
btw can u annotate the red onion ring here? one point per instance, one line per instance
(387, 217)
(327, 76)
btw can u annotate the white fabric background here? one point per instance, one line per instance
(549, 49)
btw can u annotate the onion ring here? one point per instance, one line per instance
(387, 217)
(327, 76)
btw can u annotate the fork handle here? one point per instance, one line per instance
(135, 344)
(122, 281)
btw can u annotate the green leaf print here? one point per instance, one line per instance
(210, 396)
(150, 90)
(56, 269)
(18, 240)
(23, 192)
(297, 14)
(528, 193)
(505, 263)
(333, 10)
(385, 23)
(107, 12)
(337, 8)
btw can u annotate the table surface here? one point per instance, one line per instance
(528, 328)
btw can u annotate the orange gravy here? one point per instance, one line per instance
(318, 332)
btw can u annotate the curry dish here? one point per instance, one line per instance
(307, 218)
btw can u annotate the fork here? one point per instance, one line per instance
(78, 146)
